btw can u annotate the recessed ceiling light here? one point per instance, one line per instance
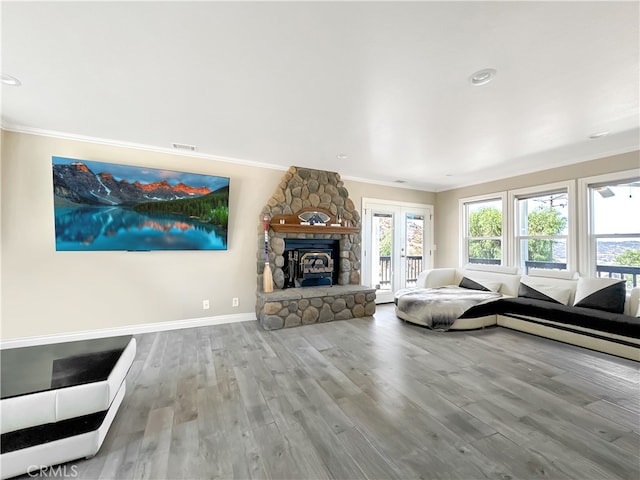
(448, 175)
(10, 81)
(342, 156)
(600, 134)
(482, 77)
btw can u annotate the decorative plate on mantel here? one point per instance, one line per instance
(313, 217)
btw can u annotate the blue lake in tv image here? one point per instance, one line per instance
(117, 228)
(105, 206)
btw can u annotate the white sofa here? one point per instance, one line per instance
(586, 327)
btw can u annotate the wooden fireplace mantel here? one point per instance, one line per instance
(292, 225)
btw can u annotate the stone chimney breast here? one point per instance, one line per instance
(302, 189)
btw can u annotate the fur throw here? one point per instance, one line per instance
(439, 307)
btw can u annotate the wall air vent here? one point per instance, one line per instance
(184, 146)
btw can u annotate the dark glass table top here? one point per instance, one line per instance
(40, 368)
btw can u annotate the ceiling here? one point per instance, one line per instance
(297, 83)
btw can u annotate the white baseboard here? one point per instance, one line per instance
(126, 330)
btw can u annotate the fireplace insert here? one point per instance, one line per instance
(310, 262)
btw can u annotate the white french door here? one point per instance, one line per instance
(397, 245)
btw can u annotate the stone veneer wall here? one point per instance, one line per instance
(303, 188)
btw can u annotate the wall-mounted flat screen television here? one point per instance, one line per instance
(106, 206)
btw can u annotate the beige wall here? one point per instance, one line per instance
(447, 226)
(48, 292)
(359, 190)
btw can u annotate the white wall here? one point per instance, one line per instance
(47, 292)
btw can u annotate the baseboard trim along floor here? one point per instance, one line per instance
(126, 330)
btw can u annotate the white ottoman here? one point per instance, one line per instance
(58, 400)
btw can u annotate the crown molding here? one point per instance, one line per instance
(137, 146)
(171, 151)
(564, 163)
(406, 186)
(251, 163)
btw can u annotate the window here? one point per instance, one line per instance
(483, 227)
(614, 239)
(542, 227)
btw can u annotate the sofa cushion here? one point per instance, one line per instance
(608, 294)
(436, 277)
(507, 277)
(484, 285)
(584, 317)
(481, 267)
(485, 309)
(547, 289)
(632, 303)
(545, 272)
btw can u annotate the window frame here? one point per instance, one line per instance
(463, 250)
(587, 238)
(536, 191)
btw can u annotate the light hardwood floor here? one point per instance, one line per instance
(371, 398)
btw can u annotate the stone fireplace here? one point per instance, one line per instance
(315, 265)
(305, 189)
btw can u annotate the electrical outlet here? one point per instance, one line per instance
(205, 304)
(234, 302)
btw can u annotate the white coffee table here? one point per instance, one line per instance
(59, 400)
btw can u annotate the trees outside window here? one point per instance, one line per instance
(544, 222)
(542, 226)
(385, 234)
(484, 232)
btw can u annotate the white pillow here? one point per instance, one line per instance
(493, 286)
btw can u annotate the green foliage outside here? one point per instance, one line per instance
(212, 208)
(629, 257)
(487, 222)
(546, 221)
(385, 245)
(414, 237)
(387, 237)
